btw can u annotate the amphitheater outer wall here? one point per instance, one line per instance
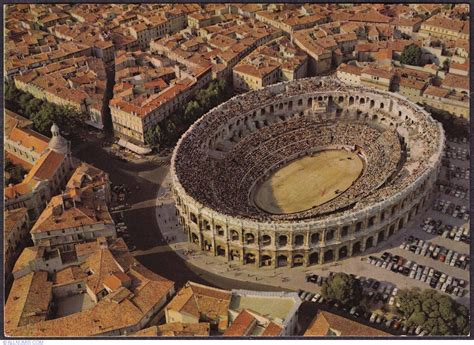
(330, 237)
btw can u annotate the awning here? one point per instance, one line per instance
(134, 148)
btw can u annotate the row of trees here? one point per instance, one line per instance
(437, 313)
(168, 131)
(42, 113)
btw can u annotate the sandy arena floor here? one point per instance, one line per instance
(309, 182)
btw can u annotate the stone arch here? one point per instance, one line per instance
(194, 238)
(362, 100)
(328, 255)
(266, 260)
(380, 237)
(351, 100)
(298, 260)
(282, 240)
(372, 103)
(282, 260)
(249, 258)
(314, 258)
(329, 235)
(220, 230)
(299, 240)
(234, 235)
(249, 238)
(310, 102)
(369, 243)
(234, 254)
(315, 238)
(220, 250)
(371, 221)
(207, 245)
(344, 231)
(343, 252)
(266, 240)
(400, 223)
(358, 227)
(193, 218)
(206, 226)
(391, 230)
(356, 248)
(381, 105)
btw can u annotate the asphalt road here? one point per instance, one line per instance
(141, 220)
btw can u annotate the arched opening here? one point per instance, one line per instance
(356, 248)
(310, 102)
(400, 224)
(358, 227)
(351, 100)
(219, 230)
(300, 102)
(371, 221)
(234, 254)
(249, 258)
(290, 105)
(234, 235)
(380, 237)
(266, 260)
(249, 238)
(328, 256)
(206, 225)
(220, 251)
(315, 238)
(207, 245)
(299, 240)
(372, 103)
(362, 101)
(381, 105)
(344, 231)
(391, 230)
(298, 260)
(341, 99)
(193, 218)
(343, 252)
(329, 235)
(266, 240)
(195, 238)
(282, 240)
(313, 258)
(369, 243)
(282, 260)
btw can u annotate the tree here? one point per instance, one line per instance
(344, 288)
(154, 136)
(411, 55)
(436, 313)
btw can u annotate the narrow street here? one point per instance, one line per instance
(141, 220)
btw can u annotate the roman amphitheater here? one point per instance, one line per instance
(305, 172)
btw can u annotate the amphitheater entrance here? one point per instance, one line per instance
(220, 251)
(356, 248)
(314, 258)
(249, 258)
(328, 256)
(343, 252)
(380, 237)
(369, 243)
(298, 260)
(282, 260)
(266, 260)
(234, 254)
(309, 182)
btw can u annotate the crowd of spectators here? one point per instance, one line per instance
(225, 184)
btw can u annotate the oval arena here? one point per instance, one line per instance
(305, 172)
